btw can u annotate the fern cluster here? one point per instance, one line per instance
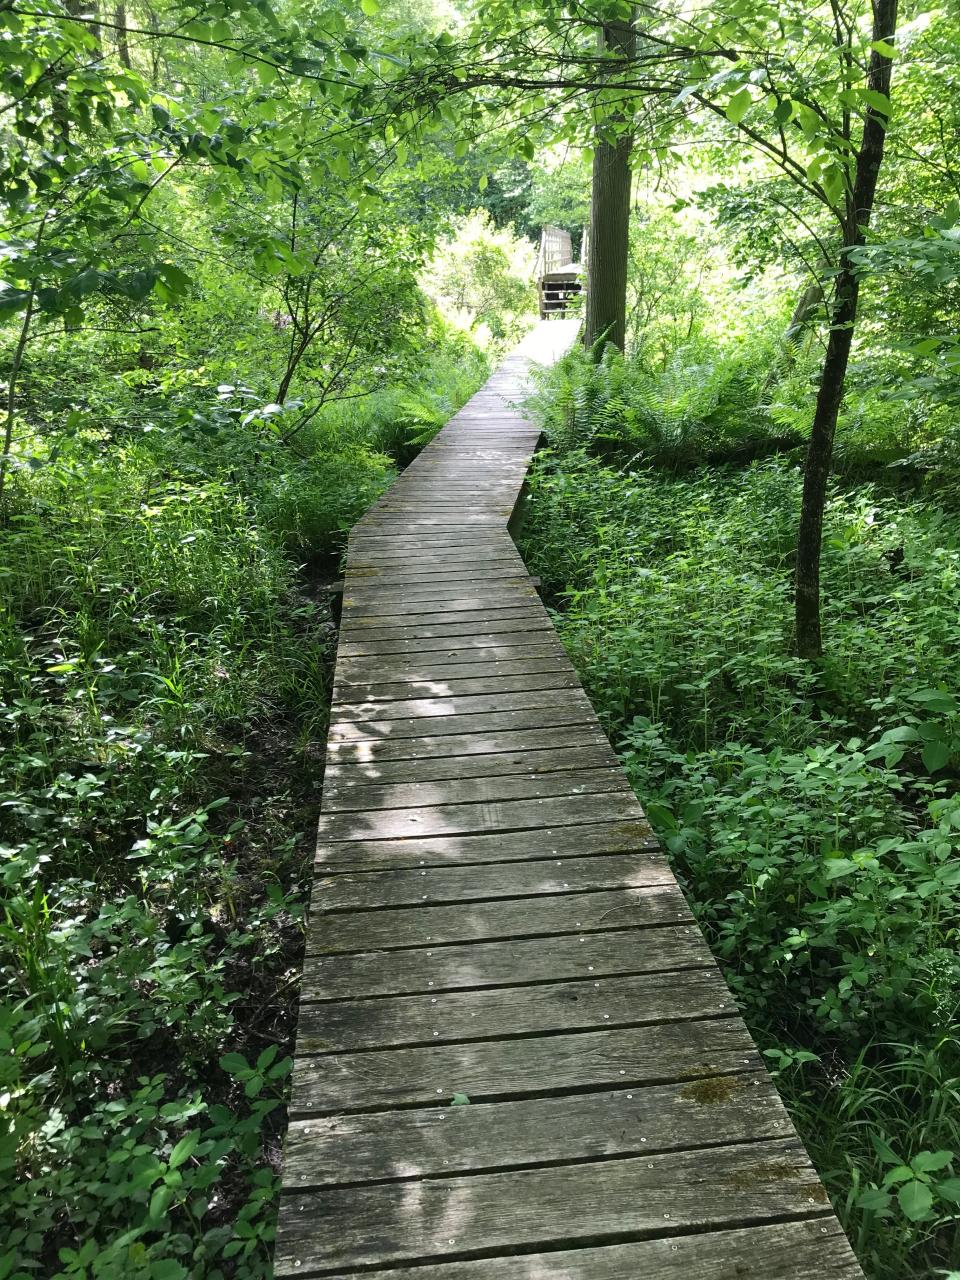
(698, 404)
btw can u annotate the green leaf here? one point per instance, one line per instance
(783, 111)
(935, 755)
(184, 1149)
(370, 7)
(159, 1203)
(949, 1189)
(875, 1200)
(177, 281)
(12, 300)
(167, 1269)
(459, 1100)
(927, 1161)
(267, 1056)
(837, 867)
(915, 1199)
(905, 733)
(739, 105)
(883, 1149)
(234, 1063)
(934, 699)
(83, 283)
(878, 102)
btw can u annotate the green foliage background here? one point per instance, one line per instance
(253, 256)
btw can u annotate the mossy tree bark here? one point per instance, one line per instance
(843, 316)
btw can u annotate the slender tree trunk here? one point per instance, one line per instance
(842, 320)
(123, 47)
(11, 405)
(606, 309)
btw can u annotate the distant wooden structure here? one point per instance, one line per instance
(558, 276)
(516, 1059)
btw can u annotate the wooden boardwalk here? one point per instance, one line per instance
(492, 918)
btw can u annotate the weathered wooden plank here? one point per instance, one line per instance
(483, 638)
(475, 742)
(409, 520)
(493, 815)
(405, 596)
(417, 557)
(527, 879)
(342, 1026)
(399, 578)
(579, 913)
(549, 1207)
(398, 690)
(454, 625)
(408, 708)
(416, 509)
(499, 964)
(494, 1070)
(418, 491)
(441, 542)
(811, 1249)
(452, 597)
(507, 606)
(579, 711)
(500, 554)
(438, 667)
(442, 1141)
(517, 786)
(341, 776)
(560, 842)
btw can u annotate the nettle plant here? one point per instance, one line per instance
(143, 1177)
(932, 730)
(924, 1188)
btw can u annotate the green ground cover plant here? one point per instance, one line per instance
(165, 658)
(810, 810)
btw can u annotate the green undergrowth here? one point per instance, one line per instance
(165, 675)
(811, 812)
(705, 402)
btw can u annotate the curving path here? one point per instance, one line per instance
(493, 920)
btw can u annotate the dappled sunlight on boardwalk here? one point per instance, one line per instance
(516, 1057)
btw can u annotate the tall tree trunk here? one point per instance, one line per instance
(843, 317)
(123, 46)
(606, 309)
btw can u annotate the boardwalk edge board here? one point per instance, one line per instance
(516, 1056)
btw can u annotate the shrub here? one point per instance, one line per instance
(699, 404)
